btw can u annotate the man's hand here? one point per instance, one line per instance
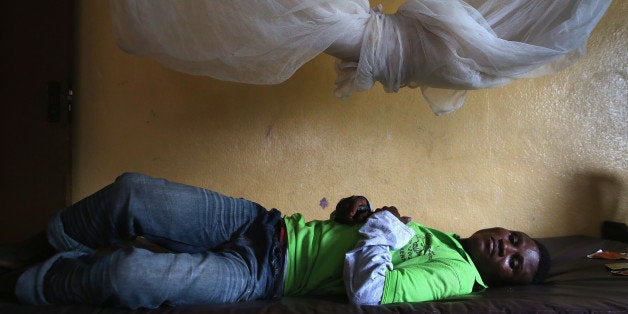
(393, 210)
(352, 210)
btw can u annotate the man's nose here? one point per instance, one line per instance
(505, 248)
(509, 248)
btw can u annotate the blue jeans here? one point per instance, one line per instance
(225, 249)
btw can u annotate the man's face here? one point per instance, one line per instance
(503, 256)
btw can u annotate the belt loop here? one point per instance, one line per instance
(279, 253)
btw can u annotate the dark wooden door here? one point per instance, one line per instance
(37, 66)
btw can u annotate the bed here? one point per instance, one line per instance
(576, 284)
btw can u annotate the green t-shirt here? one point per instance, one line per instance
(432, 266)
(316, 254)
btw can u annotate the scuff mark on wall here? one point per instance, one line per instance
(323, 203)
(269, 131)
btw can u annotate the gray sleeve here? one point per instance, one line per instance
(366, 265)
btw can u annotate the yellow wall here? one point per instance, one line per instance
(548, 156)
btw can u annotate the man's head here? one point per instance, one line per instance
(505, 257)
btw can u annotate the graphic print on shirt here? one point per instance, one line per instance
(418, 246)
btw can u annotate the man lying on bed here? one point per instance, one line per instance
(225, 249)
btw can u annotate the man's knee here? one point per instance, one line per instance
(135, 279)
(130, 181)
(132, 178)
(131, 265)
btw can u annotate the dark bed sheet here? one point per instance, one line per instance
(576, 284)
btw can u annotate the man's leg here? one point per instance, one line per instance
(179, 217)
(140, 278)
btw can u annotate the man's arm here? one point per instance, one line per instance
(366, 265)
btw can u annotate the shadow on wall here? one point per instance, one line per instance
(595, 197)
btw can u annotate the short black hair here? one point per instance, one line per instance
(545, 263)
